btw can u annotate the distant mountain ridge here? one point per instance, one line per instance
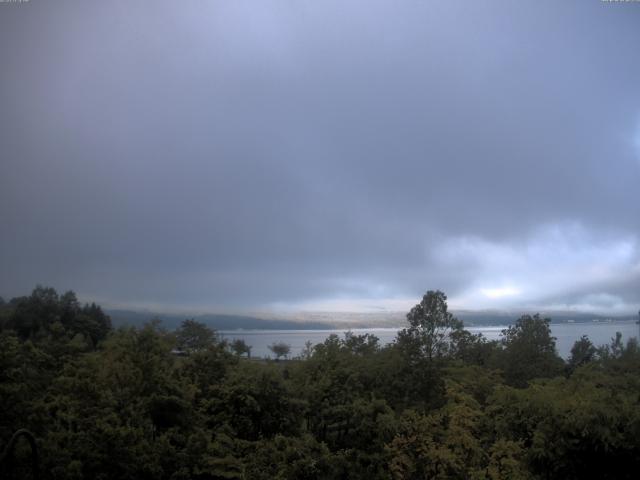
(471, 318)
(216, 321)
(342, 320)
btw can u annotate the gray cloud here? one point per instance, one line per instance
(244, 154)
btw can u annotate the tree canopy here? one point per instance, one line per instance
(193, 336)
(240, 347)
(280, 349)
(431, 328)
(529, 351)
(438, 403)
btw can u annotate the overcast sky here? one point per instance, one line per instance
(322, 155)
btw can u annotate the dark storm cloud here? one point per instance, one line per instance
(242, 154)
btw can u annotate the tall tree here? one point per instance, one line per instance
(193, 336)
(529, 351)
(583, 351)
(240, 347)
(431, 326)
(280, 349)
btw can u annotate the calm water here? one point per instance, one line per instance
(566, 334)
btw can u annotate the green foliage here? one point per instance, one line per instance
(240, 347)
(507, 461)
(194, 336)
(444, 444)
(253, 403)
(289, 458)
(307, 351)
(280, 349)
(25, 372)
(473, 349)
(46, 315)
(529, 351)
(205, 370)
(441, 403)
(582, 352)
(575, 428)
(365, 344)
(431, 328)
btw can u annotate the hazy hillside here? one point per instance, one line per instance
(216, 321)
(338, 320)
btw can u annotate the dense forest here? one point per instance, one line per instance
(438, 403)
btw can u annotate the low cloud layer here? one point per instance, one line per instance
(278, 155)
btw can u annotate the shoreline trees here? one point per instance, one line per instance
(280, 349)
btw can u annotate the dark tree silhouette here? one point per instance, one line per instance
(240, 347)
(431, 327)
(193, 336)
(280, 349)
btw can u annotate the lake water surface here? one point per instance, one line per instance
(566, 334)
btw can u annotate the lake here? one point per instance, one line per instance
(566, 334)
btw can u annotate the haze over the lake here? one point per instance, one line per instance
(322, 155)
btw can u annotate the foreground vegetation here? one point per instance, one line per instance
(438, 403)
